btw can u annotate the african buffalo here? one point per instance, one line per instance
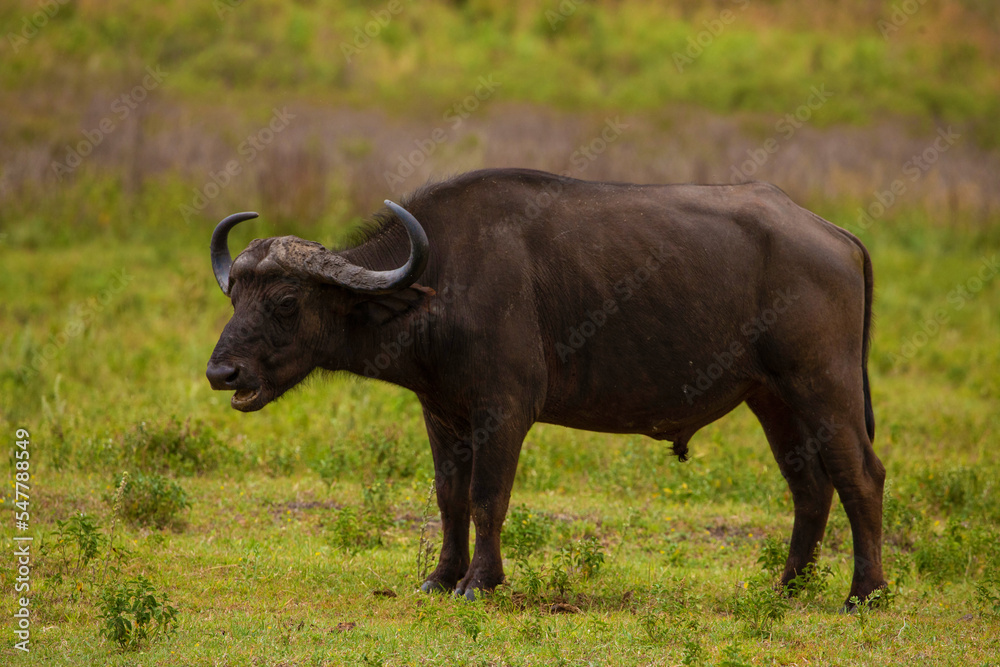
(506, 297)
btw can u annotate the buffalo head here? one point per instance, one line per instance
(292, 307)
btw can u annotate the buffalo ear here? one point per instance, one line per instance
(383, 308)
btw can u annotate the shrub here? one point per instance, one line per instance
(525, 532)
(132, 612)
(184, 449)
(84, 533)
(151, 500)
(758, 606)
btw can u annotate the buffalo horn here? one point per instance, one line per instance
(332, 268)
(221, 261)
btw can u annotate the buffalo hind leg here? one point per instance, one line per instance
(452, 475)
(834, 439)
(812, 489)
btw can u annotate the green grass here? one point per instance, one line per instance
(300, 512)
(622, 56)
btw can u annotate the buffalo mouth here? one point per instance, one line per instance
(249, 400)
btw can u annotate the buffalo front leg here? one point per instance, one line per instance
(496, 445)
(452, 475)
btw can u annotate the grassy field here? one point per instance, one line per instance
(289, 525)
(299, 535)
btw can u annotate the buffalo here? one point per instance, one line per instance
(505, 297)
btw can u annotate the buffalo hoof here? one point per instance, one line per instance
(469, 594)
(431, 586)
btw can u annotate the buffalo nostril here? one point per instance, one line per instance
(222, 376)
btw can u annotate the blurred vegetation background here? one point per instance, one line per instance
(699, 84)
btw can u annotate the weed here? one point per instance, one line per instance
(525, 532)
(533, 628)
(758, 606)
(863, 610)
(425, 547)
(328, 468)
(355, 530)
(531, 579)
(988, 588)
(773, 553)
(151, 500)
(694, 652)
(470, 617)
(184, 449)
(588, 557)
(84, 533)
(732, 656)
(558, 573)
(811, 582)
(132, 612)
(955, 553)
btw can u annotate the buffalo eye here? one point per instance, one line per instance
(286, 306)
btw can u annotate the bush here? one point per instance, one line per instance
(132, 612)
(525, 532)
(758, 606)
(84, 533)
(183, 449)
(151, 500)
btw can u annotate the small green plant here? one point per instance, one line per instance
(84, 533)
(773, 553)
(652, 623)
(328, 468)
(470, 617)
(183, 449)
(588, 557)
(758, 606)
(531, 579)
(988, 588)
(558, 573)
(354, 531)
(525, 532)
(694, 652)
(811, 582)
(132, 613)
(150, 500)
(732, 656)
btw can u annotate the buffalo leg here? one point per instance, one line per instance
(497, 445)
(835, 440)
(452, 475)
(811, 487)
